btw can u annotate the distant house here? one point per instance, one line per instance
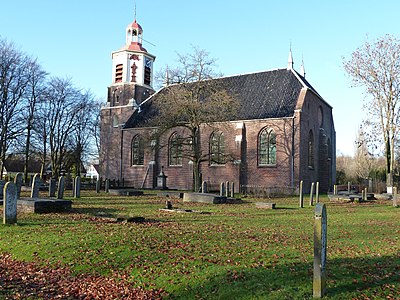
(284, 133)
(93, 171)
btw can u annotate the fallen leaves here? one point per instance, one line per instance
(21, 280)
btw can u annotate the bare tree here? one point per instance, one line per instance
(376, 67)
(194, 66)
(35, 90)
(193, 106)
(83, 135)
(63, 104)
(14, 79)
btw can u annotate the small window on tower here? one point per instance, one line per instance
(118, 73)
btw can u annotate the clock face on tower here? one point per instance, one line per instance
(147, 62)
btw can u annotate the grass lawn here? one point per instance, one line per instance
(230, 251)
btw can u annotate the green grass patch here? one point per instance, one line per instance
(231, 251)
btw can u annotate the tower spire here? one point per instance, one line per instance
(135, 10)
(290, 59)
(302, 69)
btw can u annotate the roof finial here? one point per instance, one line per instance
(290, 59)
(135, 10)
(166, 81)
(302, 69)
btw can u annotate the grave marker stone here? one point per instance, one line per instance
(10, 203)
(227, 188)
(60, 191)
(52, 187)
(98, 182)
(317, 192)
(222, 189)
(18, 182)
(312, 194)
(107, 185)
(2, 184)
(77, 192)
(204, 187)
(301, 196)
(320, 246)
(35, 186)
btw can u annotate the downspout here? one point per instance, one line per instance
(120, 161)
(292, 161)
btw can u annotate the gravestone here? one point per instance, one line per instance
(10, 203)
(2, 184)
(349, 187)
(317, 192)
(52, 187)
(18, 182)
(162, 180)
(60, 191)
(107, 185)
(77, 186)
(320, 246)
(222, 189)
(312, 194)
(98, 182)
(335, 189)
(232, 190)
(35, 186)
(168, 204)
(204, 187)
(227, 188)
(301, 195)
(73, 187)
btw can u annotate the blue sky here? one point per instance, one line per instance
(75, 39)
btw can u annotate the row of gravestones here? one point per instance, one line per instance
(36, 183)
(314, 190)
(226, 189)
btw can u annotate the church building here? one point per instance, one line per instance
(284, 131)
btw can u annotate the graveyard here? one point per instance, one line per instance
(113, 246)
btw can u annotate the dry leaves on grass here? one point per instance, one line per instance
(21, 280)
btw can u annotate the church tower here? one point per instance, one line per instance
(132, 83)
(132, 70)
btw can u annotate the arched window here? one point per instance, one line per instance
(217, 148)
(137, 151)
(311, 149)
(175, 150)
(267, 147)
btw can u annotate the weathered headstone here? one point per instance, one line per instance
(301, 195)
(232, 190)
(10, 203)
(365, 194)
(73, 187)
(77, 192)
(35, 186)
(2, 184)
(52, 187)
(60, 190)
(312, 194)
(204, 187)
(349, 187)
(320, 247)
(335, 189)
(107, 185)
(222, 189)
(168, 204)
(18, 183)
(317, 192)
(227, 188)
(98, 183)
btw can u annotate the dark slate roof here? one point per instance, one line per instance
(263, 95)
